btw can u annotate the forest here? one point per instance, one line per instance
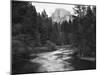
(33, 32)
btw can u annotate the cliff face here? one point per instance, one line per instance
(61, 15)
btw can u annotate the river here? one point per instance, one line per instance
(62, 59)
(54, 61)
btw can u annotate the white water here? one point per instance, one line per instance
(54, 61)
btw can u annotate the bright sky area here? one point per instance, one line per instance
(50, 8)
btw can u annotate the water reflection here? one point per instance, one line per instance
(58, 60)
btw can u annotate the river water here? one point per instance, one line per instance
(59, 60)
(54, 61)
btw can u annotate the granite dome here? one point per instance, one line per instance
(61, 15)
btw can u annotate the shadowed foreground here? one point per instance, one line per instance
(54, 61)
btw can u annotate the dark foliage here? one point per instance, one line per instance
(82, 31)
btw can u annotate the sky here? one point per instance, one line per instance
(50, 8)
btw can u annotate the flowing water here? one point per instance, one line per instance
(62, 59)
(54, 61)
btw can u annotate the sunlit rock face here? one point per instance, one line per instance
(61, 15)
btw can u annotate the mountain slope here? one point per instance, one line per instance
(61, 15)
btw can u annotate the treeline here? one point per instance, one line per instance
(26, 21)
(81, 32)
(35, 30)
